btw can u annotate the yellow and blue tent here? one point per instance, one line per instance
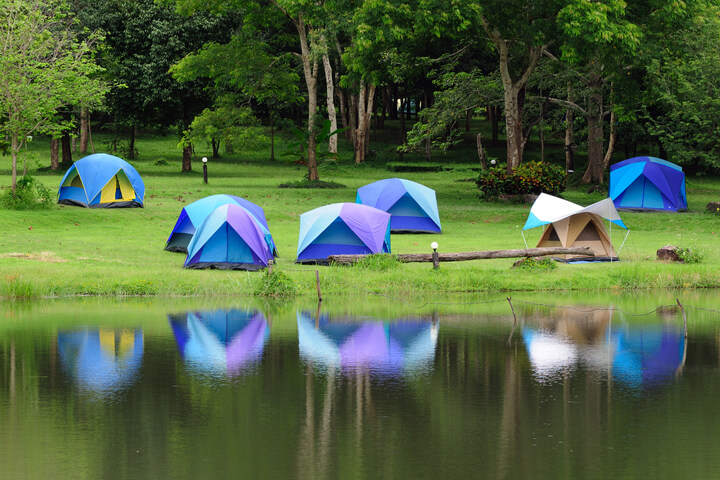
(102, 181)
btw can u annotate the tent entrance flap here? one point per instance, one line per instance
(118, 188)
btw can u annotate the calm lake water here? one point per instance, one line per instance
(600, 386)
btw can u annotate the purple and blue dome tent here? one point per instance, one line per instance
(341, 229)
(648, 183)
(413, 206)
(229, 239)
(193, 215)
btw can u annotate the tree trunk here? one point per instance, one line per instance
(215, 144)
(468, 117)
(569, 140)
(342, 100)
(365, 108)
(310, 71)
(54, 154)
(594, 171)
(494, 125)
(346, 259)
(353, 117)
(385, 108)
(84, 129)
(14, 148)
(313, 175)
(514, 92)
(403, 130)
(481, 152)
(611, 143)
(329, 82)
(131, 146)
(187, 158)
(66, 150)
(513, 126)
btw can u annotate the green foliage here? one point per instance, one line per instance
(690, 255)
(527, 178)
(30, 194)
(275, 284)
(536, 264)
(378, 262)
(299, 147)
(13, 287)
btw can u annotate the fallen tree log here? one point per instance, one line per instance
(463, 256)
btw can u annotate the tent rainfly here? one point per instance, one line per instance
(102, 181)
(413, 206)
(193, 215)
(229, 239)
(570, 225)
(342, 228)
(648, 183)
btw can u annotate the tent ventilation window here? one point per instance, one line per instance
(589, 233)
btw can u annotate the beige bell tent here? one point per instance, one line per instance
(570, 225)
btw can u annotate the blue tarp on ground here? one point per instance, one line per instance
(648, 183)
(342, 228)
(413, 206)
(102, 180)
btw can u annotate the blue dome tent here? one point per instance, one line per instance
(648, 183)
(342, 228)
(229, 239)
(413, 206)
(102, 181)
(193, 215)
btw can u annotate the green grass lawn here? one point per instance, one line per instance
(69, 250)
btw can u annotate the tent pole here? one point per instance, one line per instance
(623, 243)
(524, 241)
(611, 239)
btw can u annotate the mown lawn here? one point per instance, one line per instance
(68, 250)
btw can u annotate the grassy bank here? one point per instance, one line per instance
(74, 251)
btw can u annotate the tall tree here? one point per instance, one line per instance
(520, 31)
(44, 67)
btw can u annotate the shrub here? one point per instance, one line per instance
(536, 264)
(527, 178)
(30, 194)
(690, 255)
(276, 284)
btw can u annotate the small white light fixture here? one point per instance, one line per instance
(204, 159)
(571, 171)
(493, 162)
(434, 245)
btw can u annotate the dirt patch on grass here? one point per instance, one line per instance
(47, 257)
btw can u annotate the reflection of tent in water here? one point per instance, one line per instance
(389, 348)
(220, 341)
(647, 356)
(637, 356)
(102, 360)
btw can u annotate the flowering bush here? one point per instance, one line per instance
(527, 178)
